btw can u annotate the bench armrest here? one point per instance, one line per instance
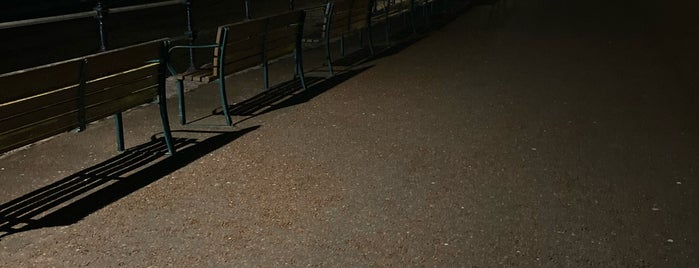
(194, 46)
(171, 69)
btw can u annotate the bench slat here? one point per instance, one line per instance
(38, 131)
(37, 102)
(120, 60)
(26, 83)
(37, 114)
(125, 77)
(102, 110)
(280, 51)
(241, 50)
(241, 31)
(241, 65)
(120, 91)
(284, 20)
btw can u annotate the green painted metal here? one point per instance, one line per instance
(81, 97)
(221, 77)
(328, 21)
(180, 83)
(162, 99)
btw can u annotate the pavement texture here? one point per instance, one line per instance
(526, 134)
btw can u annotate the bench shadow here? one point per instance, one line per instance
(316, 89)
(288, 94)
(73, 198)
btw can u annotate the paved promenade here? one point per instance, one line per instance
(541, 133)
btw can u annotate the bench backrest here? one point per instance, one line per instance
(246, 44)
(44, 101)
(347, 16)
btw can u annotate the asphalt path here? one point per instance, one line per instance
(537, 133)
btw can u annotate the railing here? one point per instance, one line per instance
(100, 12)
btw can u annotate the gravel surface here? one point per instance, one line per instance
(540, 133)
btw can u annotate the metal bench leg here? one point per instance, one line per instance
(371, 39)
(327, 17)
(388, 23)
(327, 55)
(180, 102)
(299, 66)
(265, 74)
(167, 133)
(342, 45)
(119, 126)
(224, 100)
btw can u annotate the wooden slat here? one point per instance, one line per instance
(358, 25)
(102, 110)
(26, 83)
(203, 76)
(241, 65)
(241, 30)
(37, 102)
(285, 19)
(102, 95)
(119, 60)
(38, 131)
(240, 50)
(251, 41)
(36, 115)
(291, 39)
(188, 75)
(280, 51)
(281, 32)
(126, 77)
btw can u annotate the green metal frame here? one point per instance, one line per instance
(298, 71)
(119, 125)
(329, 8)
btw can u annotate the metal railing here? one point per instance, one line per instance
(100, 13)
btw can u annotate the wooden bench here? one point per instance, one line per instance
(44, 101)
(343, 18)
(244, 45)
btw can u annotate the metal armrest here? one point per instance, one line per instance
(171, 69)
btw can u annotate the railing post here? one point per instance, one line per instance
(247, 10)
(291, 4)
(191, 35)
(101, 11)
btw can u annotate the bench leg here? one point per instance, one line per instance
(371, 39)
(388, 23)
(342, 46)
(167, 133)
(299, 66)
(180, 102)
(327, 55)
(265, 74)
(119, 126)
(224, 99)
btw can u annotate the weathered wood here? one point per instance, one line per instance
(26, 83)
(125, 77)
(119, 91)
(37, 131)
(104, 109)
(37, 102)
(280, 51)
(47, 100)
(241, 30)
(36, 114)
(123, 59)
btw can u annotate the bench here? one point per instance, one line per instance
(44, 101)
(343, 18)
(243, 45)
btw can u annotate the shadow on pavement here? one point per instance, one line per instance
(289, 95)
(69, 200)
